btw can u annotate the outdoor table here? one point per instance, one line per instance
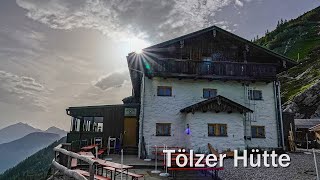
(114, 165)
(88, 148)
(87, 154)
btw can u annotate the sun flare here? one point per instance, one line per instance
(137, 45)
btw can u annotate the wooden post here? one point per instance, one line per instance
(69, 162)
(315, 163)
(91, 171)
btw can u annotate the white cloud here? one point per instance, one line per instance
(22, 91)
(127, 18)
(239, 3)
(112, 80)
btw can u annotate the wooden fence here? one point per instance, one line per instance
(61, 164)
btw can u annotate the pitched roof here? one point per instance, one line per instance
(216, 104)
(197, 33)
(306, 123)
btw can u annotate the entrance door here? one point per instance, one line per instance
(130, 132)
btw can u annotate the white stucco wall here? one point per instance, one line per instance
(199, 139)
(265, 115)
(159, 109)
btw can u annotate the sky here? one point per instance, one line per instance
(60, 53)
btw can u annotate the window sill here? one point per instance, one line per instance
(217, 135)
(262, 137)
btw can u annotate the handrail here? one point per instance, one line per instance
(213, 69)
(74, 155)
(65, 170)
(200, 61)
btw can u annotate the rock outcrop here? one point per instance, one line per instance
(305, 104)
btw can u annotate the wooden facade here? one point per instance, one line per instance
(211, 53)
(113, 121)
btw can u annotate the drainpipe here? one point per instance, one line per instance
(245, 114)
(141, 118)
(278, 109)
(275, 97)
(142, 115)
(280, 114)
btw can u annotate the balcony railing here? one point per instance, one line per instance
(209, 69)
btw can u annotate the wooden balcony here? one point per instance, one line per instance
(223, 70)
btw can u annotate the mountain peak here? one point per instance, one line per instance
(16, 131)
(56, 130)
(52, 127)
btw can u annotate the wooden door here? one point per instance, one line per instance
(130, 132)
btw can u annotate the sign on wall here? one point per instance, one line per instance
(130, 112)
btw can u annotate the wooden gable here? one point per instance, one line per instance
(216, 104)
(221, 44)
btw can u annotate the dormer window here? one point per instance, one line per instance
(164, 91)
(209, 93)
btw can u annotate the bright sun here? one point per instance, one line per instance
(137, 45)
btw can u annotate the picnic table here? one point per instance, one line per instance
(112, 166)
(175, 168)
(86, 154)
(88, 148)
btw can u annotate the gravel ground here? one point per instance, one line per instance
(301, 168)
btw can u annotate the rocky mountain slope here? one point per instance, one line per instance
(299, 39)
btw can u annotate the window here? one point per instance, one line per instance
(164, 91)
(94, 124)
(258, 132)
(217, 130)
(255, 94)
(163, 129)
(209, 93)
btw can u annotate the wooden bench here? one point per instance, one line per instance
(87, 174)
(133, 175)
(214, 174)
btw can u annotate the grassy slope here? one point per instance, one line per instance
(34, 167)
(297, 37)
